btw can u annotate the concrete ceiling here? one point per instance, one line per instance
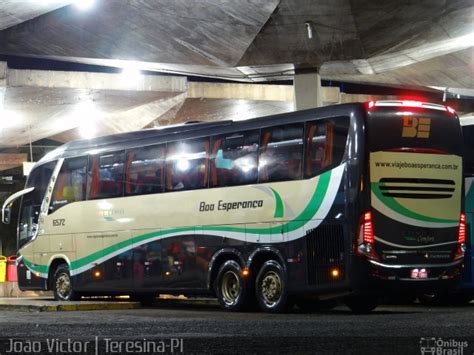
(14, 12)
(249, 40)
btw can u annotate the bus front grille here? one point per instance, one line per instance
(417, 188)
(325, 253)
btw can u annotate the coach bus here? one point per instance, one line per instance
(343, 201)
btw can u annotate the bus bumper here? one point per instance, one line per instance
(415, 277)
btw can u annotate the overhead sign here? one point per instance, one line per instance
(12, 160)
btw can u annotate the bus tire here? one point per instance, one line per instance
(362, 304)
(62, 285)
(270, 288)
(434, 299)
(231, 288)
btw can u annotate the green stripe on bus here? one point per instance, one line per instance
(36, 268)
(391, 203)
(310, 210)
(279, 209)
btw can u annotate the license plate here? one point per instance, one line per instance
(419, 274)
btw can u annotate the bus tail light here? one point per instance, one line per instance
(366, 239)
(461, 237)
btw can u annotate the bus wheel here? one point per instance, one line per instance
(272, 295)
(362, 304)
(62, 285)
(434, 299)
(231, 288)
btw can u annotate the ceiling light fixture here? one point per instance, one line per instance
(84, 4)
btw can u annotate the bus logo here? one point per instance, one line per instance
(416, 127)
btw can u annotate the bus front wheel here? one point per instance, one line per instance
(362, 304)
(271, 290)
(232, 289)
(62, 285)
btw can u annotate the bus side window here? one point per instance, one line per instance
(325, 145)
(71, 183)
(105, 175)
(234, 159)
(187, 164)
(281, 153)
(145, 170)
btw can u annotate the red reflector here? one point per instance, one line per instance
(450, 110)
(462, 229)
(368, 228)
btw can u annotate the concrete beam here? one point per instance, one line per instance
(307, 89)
(95, 81)
(240, 91)
(3, 74)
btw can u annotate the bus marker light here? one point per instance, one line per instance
(371, 104)
(245, 272)
(167, 273)
(97, 274)
(450, 110)
(335, 273)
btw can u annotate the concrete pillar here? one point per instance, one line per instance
(308, 92)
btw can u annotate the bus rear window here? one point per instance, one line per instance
(427, 130)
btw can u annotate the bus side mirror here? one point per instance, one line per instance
(6, 215)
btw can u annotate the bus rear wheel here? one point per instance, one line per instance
(362, 304)
(232, 289)
(62, 285)
(271, 290)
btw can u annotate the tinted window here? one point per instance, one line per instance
(106, 175)
(187, 165)
(234, 159)
(281, 153)
(325, 145)
(70, 185)
(39, 179)
(145, 170)
(468, 132)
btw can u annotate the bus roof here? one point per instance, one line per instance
(185, 131)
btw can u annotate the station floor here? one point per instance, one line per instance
(200, 326)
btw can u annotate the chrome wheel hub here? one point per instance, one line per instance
(63, 286)
(230, 287)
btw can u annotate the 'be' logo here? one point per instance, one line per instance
(416, 127)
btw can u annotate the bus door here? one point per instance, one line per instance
(29, 226)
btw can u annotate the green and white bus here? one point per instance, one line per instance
(341, 201)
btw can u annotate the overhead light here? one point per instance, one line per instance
(309, 29)
(8, 119)
(87, 115)
(84, 4)
(130, 71)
